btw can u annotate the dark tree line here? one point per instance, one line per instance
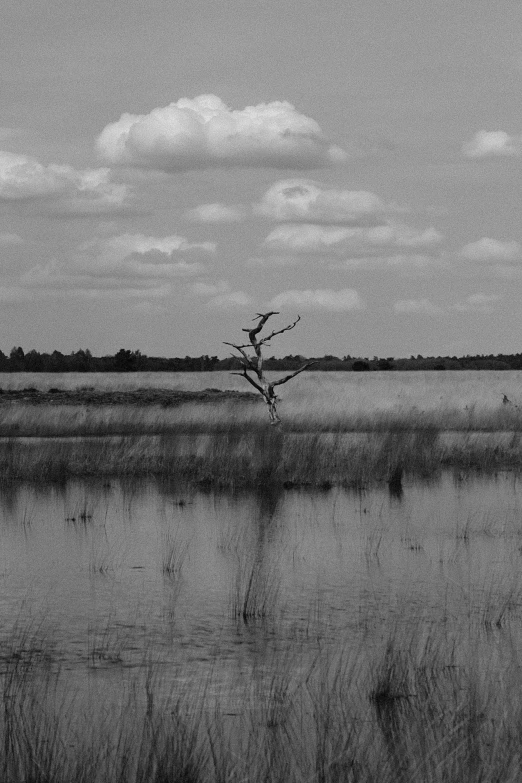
(83, 361)
(132, 361)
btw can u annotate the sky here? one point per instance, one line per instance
(171, 168)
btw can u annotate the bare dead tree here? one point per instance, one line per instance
(254, 364)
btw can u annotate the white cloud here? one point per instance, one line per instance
(89, 190)
(134, 263)
(10, 239)
(320, 299)
(214, 213)
(481, 303)
(119, 247)
(204, 132)
(358, 241)
(486, 143)
(492, 250)
(220, 294)
(310, 202)
(308, 238)
(417, 306)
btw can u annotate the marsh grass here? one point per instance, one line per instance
(256, 589)
(258, 458)
(337, 429)
(104, 646)
(175, 549)
(57, 421)
(421, 707)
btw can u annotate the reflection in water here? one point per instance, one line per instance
(252, 573)
(286, 635)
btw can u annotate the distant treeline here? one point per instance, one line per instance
(131, 361)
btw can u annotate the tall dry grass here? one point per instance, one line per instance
(262, 457)
(343, 428)
(324, 402)
(421, 707)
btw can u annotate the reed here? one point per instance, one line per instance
(174, 553)
(416, 708)
(337, 429)
(260, 458)
(57, 421)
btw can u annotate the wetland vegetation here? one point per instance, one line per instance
(155, 633)
(189, 594)
(343, 429)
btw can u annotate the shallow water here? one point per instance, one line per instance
(84, 573)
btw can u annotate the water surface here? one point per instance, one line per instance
(112, 574)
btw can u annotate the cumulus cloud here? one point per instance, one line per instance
(302, 200)
(319, 299)
(417, 306)
(128, 262)
(204, 132)
(356, 241)
(493, 250)
(214, 213)
(90, 190)
(486, 143)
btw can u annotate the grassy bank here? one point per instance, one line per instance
(25, 420)
(264, 455)
(337, 428)
(422, 707)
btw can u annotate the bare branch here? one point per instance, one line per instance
(279, 331)
(244, 345)
(263, 319)
(244, 374)
(292, 375)
(255, 364)
(246, 357)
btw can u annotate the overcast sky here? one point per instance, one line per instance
(168, 168)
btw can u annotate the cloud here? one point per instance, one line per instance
(220, 294)
(486, 143)
(203, 132)
(117, 248)
(307, 238)
(478, 303)
(319, 299)
(23, 178)
(302, 200)
(10, 239)
(417, 306)
(357, 241)
(134, 263)
(214, 213)
(492, 250)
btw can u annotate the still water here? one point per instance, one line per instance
(109, 576)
